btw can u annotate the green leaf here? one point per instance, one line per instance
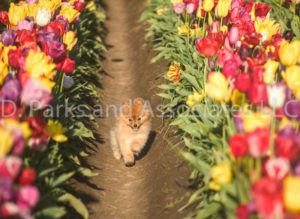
(51, 212)
(75, 203)
(62, 178)
(208, 210)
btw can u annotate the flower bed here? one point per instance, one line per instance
(50, 64)
(233, 92)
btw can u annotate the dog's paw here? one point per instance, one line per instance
(117, 155)
(129, 160)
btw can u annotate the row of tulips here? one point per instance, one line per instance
(49, 57)
(236, 70)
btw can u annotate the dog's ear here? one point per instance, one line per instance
(139, 101)
(125, 108)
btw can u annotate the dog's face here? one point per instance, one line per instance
(135, 113)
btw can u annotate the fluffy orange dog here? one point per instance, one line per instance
(130, 133)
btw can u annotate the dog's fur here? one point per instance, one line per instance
(129, 134)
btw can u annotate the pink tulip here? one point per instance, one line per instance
(178, 7)
(223, 56)
(234, 35)
(35, 95)
(235, 15)
(19, 142)
(25, 25)
(190, 8)
(230, 69)
(30, 2)
(236, 4)
(10, 167)
(277, 168)
(27, 198)
(227, 43)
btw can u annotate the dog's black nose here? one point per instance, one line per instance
(135, 126)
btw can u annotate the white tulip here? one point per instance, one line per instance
(43, 17)
(276, 95)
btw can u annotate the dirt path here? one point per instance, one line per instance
(158, 178)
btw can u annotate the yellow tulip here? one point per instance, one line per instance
(254, 120)
(221, 174)
(224, 28)
(199, 96)
(50, 5)
(267, 28)
(208, 5)
(70, 39)
(17, 13)
(183, 30)
(6, 142)
(190, 101)
(56, 130)
(292, 78)
(161, 11)
(46, 83)
(3, 71)
(174, 72)
(199, 12)
(218, 88)
(38, 65)
(69, 12)
(32, 10)
(289, 53)
(270, 70)
(291, 194)
(91, 6)
(175, 1)
(223, 7)
(5, 53)
(238, 98)
(12, 124)
(252, 13)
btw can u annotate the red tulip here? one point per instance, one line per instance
(26, 36)
(207, 47)
(258, 142)
(230, 69)
(4, 17)
(238, 145)
(257, 94)
(55, 27)
(10, 167)
(241, 212)
(13, 57)
(261, 9)
(79, 5)
(66, 65)
(27, 176)
(223, 56)
(267, 195)
(243, 82)
(286, 148)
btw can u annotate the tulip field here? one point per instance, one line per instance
(231, 92)
(234, 83)
(49, 57)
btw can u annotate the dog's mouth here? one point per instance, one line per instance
(135, 128)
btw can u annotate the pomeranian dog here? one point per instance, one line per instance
(130, 132)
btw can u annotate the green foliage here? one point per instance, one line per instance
(60, 162)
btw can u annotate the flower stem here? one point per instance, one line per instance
(272, 137)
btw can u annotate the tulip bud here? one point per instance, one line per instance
(276, 95)
(288, 35)
(245, 52)
(68, 82)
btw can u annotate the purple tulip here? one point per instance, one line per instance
(292, 109)
(211, 63)
(238, 122)
(12, 90)
(8, 37)
(47, 37)
(5, 189)
(25, 25)
(297, 167)
(57, 49)
(19, 142)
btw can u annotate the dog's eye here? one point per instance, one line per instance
(139, 118)
(129, 120)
